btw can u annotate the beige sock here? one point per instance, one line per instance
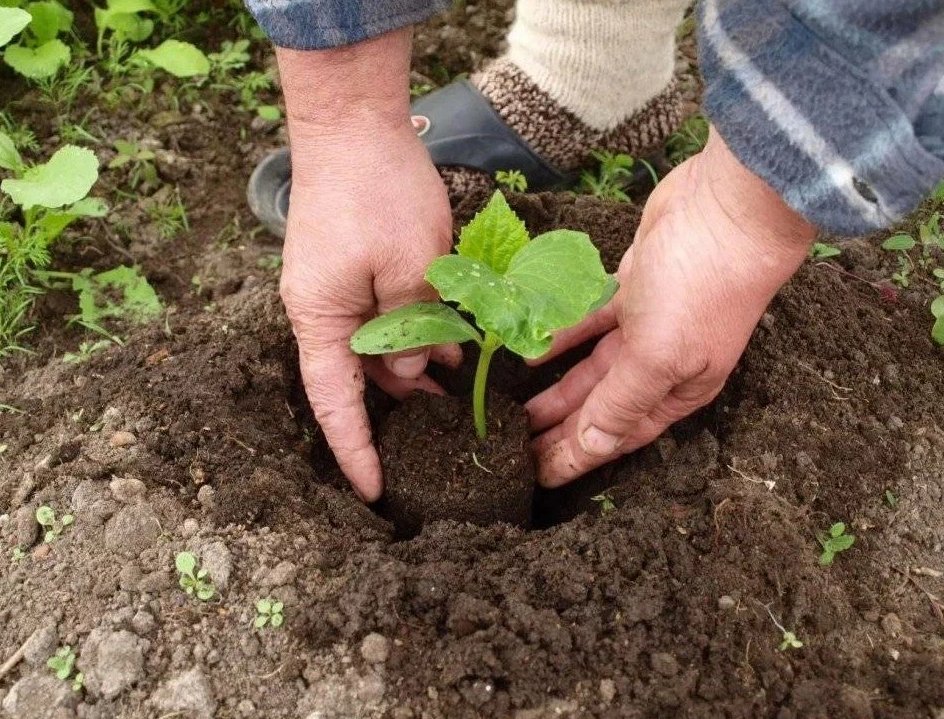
(601, 59)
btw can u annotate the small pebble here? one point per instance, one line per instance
(726, 602)
(607, 690)
(206, 496)
(122, 439)
(127, 489)
(189, 528)
(375, 648)
(892, 624)
(664, 663)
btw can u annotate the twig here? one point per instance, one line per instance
(833, 386)
(13, 661)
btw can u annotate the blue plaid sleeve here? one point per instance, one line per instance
(838, 105)
(321, 24)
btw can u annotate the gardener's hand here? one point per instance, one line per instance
(714, 246)
(368, 213)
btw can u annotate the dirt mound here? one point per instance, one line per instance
(199, 439)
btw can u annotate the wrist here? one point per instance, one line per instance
(751, 205)
(348, 93)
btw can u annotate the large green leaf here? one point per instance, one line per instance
(12, 22)
(494, 235)
(899, 243)
(49, 19)
(65, 179)
(419, 325)
(937, 332)
(38, 63)
(180, 59)
(52, 224)
(9, 156)
(552, 283)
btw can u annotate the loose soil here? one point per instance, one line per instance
(195, 435)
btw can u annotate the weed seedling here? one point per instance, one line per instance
(789, 639)
(890, 499)
(140, 160)
(690, 139)
(823, 251)
(17, 555)
(62, 663)
(519, 290)
(613, 174)
(833, 542)
(269, 612)
(605, 501)
(86, 350)
(513, 180)
(52, 527)
(193, 580)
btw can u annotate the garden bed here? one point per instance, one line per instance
(195, 436)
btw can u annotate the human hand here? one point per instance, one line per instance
(368, 213)
(714, 246)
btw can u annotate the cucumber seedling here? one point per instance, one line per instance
(519, 290)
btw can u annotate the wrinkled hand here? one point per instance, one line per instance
(714, 246)
(365, 220)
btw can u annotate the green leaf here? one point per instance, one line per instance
(130, 6)
(937, 307)
(419, 325)
(12, 22)
(126, 26)
(38, 63)
(49, 19)
(67, 520)
(899, 243)
(205, 594)
(9, 156)
(277, 607)
(609, 291)
(185, 562)
(494, 235)
(277, 620)
(272, 113)
(65, 179)
(840, 544)
(138, 300)
(52, 224)
(551, 284)
(837, 530)
(180, 59)
(823, 251)
(45, 516)
(260, 621)
(264, 606)
(937, 332)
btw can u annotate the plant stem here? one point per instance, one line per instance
(489, 346)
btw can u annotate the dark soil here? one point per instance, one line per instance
(437, 467)
(195, 435)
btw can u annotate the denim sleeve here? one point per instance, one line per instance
(320, 24)
(838, 105)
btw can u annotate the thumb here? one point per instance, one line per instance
(616, 413)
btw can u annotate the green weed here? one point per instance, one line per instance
(513, 180)
(62, 663)
(690, 139)
(605, 501)
(139, 161)
(833, 542)
(86, 350)
(52, 527)
(823, 251)
(269, 612)
(193, 580)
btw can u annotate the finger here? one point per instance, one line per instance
(562, 459)
(447, 355)
(407, 365)
(600, 322)
(565, 397)
(334, 382)
(398, 387)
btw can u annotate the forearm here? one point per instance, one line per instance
(336, 98)
(833, 109)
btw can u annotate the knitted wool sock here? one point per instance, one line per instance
(583, 75)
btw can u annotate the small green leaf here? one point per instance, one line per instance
(38, 63)
(50, 536)
(840, 544)
(277, 620)
(823, 251)
(49, 19)
(277, 607)
(180, 59)
(139, 302)
(837, 530)
(65, 179)
(264, 606)
(260, 621)
(937, 307)
(67, 520)
(494, 235)
(420, 325)
(45, 516)
(205, 593)
(937, 332)
(899, 243)
(272, 113)
(126, 26)
(9, 156)
(202, 574)
(185, 562)
(130, 6)
(12, 22)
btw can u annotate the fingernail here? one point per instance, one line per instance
(596, 442)
(408, 367)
